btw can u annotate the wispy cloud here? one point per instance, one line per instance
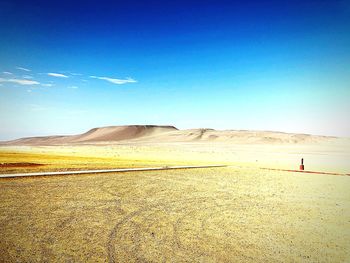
(57, 75)
(7, 73)
(47, 85)
(27, 77)
(115, 81)
(24, 69)
(76, 74)
(73, 87)
(20, 81)
(36, 107)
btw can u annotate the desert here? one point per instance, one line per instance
(239, 212)
(174, 131)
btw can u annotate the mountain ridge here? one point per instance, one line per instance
(167, 133)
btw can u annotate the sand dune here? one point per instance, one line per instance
(103, 134)
(235, 136)
(162, 134)
(119, 133)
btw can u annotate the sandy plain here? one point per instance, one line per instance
(240, 213)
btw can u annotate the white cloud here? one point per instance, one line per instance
(47, 85)
(24, 69)
(20, 81)
(58, 75)
(27, 77)
(7, 73)
(115, 81)
(73, 87)
(36, 107)
(76, 74)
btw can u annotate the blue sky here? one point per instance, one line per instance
(263, 65)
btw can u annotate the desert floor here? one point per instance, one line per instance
(235, 214)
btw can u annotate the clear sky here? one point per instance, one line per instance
(68, 66)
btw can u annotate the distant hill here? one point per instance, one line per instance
(163, 134)
(103, 134)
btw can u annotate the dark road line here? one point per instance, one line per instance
(108, 171)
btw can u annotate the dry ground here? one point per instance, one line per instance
(234, 214)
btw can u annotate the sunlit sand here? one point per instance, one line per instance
(238, 212)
